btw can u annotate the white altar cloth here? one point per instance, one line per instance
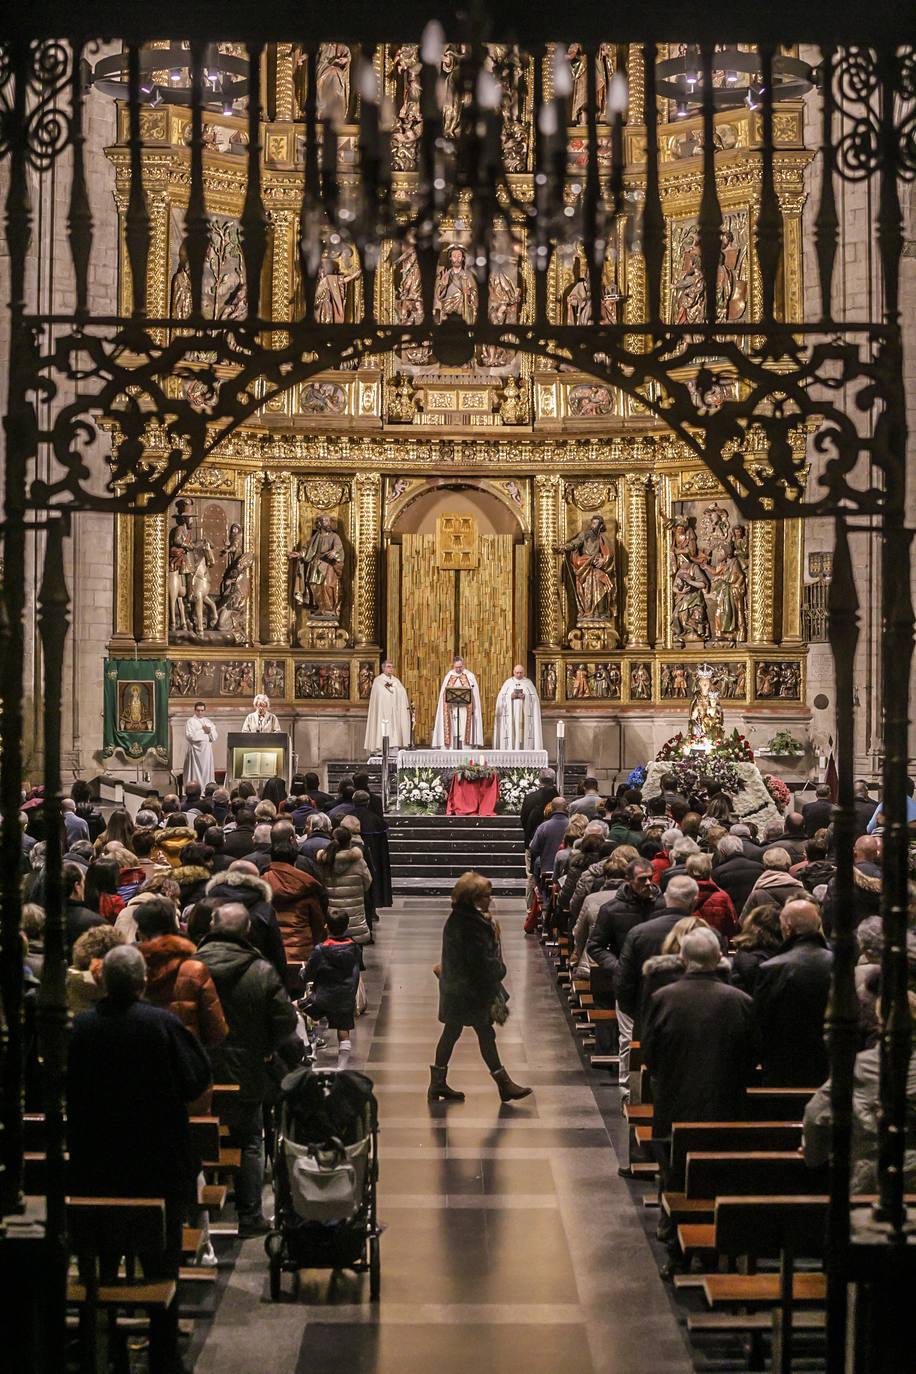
(455, 758)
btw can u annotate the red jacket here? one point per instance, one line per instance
(661, 861)
(181, 983)
(716, 908)
(297, 902)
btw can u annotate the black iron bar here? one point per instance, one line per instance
(591, 196)
(653, 220)
(710, 217)
(253, 223)
(769, 217)
(196, 224)
(137, 226)
(827, 223)
(79, 214)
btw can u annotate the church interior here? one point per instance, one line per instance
(516, 396)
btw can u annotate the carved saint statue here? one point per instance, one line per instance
(503, 306)
(456, 289)
(180, 291)
(706, 719)
(332, 81)
(331, 291)
(590, 558)
(451, 89)
(196, 611)
(406, 69)
(318, 572)
(689, 584)
(729, 590)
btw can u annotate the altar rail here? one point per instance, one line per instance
(455, 758)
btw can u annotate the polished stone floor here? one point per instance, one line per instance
(510, 1242)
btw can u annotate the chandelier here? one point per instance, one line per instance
(166, 76)
(737, 79)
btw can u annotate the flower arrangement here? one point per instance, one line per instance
(514, 786)
(636, 777)
(784, 743)
(470, 772)
(420, 790)
(689, 771)
(778, 791)
(734, 748)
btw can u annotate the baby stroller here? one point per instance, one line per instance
(325, 1171)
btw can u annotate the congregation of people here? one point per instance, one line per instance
(710, 937)
(216, 937)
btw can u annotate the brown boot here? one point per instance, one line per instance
(509, 1091)
(439, 1090)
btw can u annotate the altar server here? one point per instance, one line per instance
(388, 702)
(518, 714)
(200, 732)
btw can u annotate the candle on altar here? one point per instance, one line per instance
(385, 731)
(561, 729)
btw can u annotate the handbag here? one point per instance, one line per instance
(499, 1007)
(362, 998)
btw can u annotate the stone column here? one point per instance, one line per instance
(277, 484)
(637, 545)
(367, 488)
(547, 522)
(762, 559)
(155, 575)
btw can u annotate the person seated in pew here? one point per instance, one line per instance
(863, 1175)
(699, 1046)
(790, 1001)
(132, 1070)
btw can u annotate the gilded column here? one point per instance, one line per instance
(123, 628)
(285, 100)
(762, 559)
(792, 577)
(367, 488)
(636, 305)
(637, 603)
(158, 276)
(281, 289)
(546, 502)
(636, 80)
(792, 306)
(155, 608)
(278, 547)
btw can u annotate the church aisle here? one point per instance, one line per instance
(510, 1241)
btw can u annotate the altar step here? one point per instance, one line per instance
(429, 853)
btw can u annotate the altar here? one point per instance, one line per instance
(446, 760)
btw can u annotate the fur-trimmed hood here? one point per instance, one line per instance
(250, 887)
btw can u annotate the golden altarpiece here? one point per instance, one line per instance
(411, 509)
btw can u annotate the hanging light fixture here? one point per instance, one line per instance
(737, 76)
(225, 82)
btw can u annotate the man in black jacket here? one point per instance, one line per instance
(361, 784)
(132, 1071)
(635, 901)
(790, 1001)
(640, 944)
(242, 882)
(865, 807)
(734, 872)
(323, 800)
(261, 1021)
(866, 878)
(816, 815)
(240, 841)
(698, 1043)
(752, 850)
(532, 812)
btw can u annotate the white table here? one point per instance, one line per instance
(453, 758)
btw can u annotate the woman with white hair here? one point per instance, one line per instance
(261, 721)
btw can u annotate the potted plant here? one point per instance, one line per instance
(784, 745)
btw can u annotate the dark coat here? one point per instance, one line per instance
(751, 850)
(239, 842)
(815, 873)
(745, 964)
(93, 818)
(323, 800)
(642, 942)
(864, 812)
(790, 1002)
(258, 1012)
(300, 812)
(698, 1044)
(866, 899)
(300, 903)
(79, 919)
(532, 812)
(254, 895)
(737, 876)
(616, 919)
(132, 1070)
(471, 970)
(334, 970)
(817, 815)
(374, 832)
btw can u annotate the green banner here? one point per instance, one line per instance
(136, 707)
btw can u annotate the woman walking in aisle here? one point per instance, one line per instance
(471, 991)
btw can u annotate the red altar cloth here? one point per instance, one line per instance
(473, 798)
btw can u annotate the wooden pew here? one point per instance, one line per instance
(711, 1174)
(688, 1137)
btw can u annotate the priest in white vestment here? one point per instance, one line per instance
(261, 721)
(388, 702)
(518, 714)
(459, 721)
(200, 732)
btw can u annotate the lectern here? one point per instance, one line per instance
(255, 758)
